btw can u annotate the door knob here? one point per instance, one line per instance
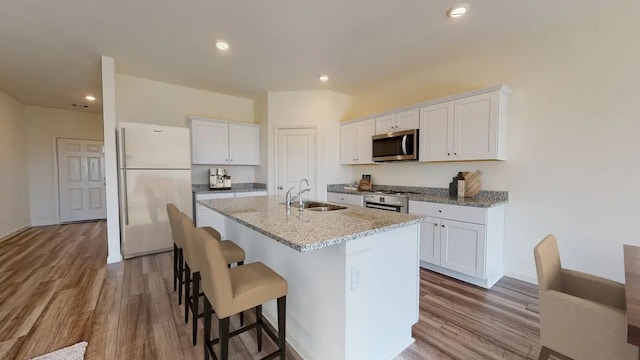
(280, 187)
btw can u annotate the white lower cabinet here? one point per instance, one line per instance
(251, 193)
(461, 241)
(347, 199)
(430, 240)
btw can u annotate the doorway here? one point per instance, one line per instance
(81, 180)
(296, 159)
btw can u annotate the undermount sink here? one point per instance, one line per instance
(318, 206)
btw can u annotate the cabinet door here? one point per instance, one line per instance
(347, 199)
(462, 247)
(430, 241)
(476, 127)
(348, 144)
(436, 132)
(407, 120)
(209, 142)
(251, 193)
(386, 124)
(244, 144)
(365, 131)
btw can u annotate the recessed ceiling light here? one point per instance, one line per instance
(324, 78)
(457, 11)
(90, 98)
(222, 45)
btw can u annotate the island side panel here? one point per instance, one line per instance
(316, 298)
(382, 293)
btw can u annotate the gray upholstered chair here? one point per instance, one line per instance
(581, 316)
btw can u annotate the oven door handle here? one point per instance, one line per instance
(404, 144)
(383, 207)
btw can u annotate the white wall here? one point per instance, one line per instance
(43, 126)
(153, 102)
(320, 108)
(14, 191)
(573, 144)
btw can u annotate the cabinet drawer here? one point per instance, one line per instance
(349, 199)
(251, 193)
(453, 212)
(214, 196)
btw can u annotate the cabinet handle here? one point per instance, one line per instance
(442, 225)
(440, 211)
(455, 153)
(435, 224)
(448, 154)
(231, 159)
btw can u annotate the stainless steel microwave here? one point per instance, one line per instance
(396, 146)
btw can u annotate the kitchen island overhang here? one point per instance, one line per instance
(353, 274)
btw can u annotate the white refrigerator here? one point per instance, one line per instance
(154, 169)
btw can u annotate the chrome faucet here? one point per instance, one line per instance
(290, 198)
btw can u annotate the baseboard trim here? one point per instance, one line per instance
(15, 232)
(46, 223)
(525, 278)
(114, 259)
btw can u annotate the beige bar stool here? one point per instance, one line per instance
(232, 253)
(178, 259)
(233, 290)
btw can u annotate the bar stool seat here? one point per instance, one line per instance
(233, 254)
(230, 250)
(229, 291)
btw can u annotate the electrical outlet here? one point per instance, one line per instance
(356, 276)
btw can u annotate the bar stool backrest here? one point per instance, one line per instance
(188, 239)
(216, 281)
(174, 222)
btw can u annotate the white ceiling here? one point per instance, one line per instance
(50, 50)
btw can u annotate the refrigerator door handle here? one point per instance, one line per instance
(126, 196)
(124, 149)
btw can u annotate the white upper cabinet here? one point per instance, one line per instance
(244, 144)
(209, 142)
(404, 120)
(356, 143)
(407, 120)
(469, 128)
(436, 132)
(224, 143)
(385, 124)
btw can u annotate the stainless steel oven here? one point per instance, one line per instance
(391, 201)
(395, 146)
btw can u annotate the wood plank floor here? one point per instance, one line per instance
(55, 290)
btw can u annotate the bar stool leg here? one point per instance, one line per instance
(259, 327)
(207, 327)
(175, 267)
(282, 313)
(224, 338)
(194, 307)
(186, 293)
(180, 271)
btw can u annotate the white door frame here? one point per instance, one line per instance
(276, 166)
(56, 175)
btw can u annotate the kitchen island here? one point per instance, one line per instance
(353, 273)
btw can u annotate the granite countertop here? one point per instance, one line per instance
(238, 187)
(308, 230)
(485, 198)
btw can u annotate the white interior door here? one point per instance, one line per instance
(81, 180)
(296, 156)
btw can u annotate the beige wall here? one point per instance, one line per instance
(321, 108)
(43, 126)
(573, 146)
(14, 191)
(153, 102)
